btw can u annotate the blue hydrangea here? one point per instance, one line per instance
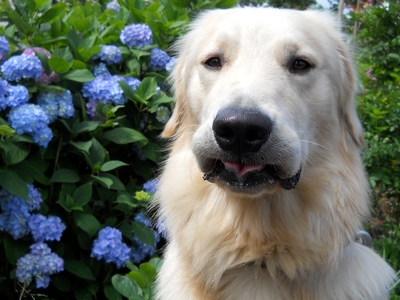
(4, 47)
(170, 64)
(113, 5)
(31, 119)
(109, 246)
(141, 218)
(163, 113)
(158, 59)
(22, 66)
(39, 264)
(138, 35)
(101, 69)
(132, 82)
(91, 109)
(105, 89)
(56, 104)
(16, 211)
(161, 228)
(18, 95)
(150, 186)
(45, 229)
(4, 92)
(110, 55)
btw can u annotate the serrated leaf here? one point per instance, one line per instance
(111, 165)
(83, 195)
(79, 269)
(52, 13)
(13, 183)
(59, 64)
(143, 233)
(81, 75)
(87, 223)
(65, 175)
(123, 135)
(125, 286)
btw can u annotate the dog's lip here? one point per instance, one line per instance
(245, 175)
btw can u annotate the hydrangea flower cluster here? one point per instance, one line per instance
(39, 264)
(12, 95)
(150, 186)
(142, 250)
(22, 66)
(56, 104)
(138, 35)
(31, 119)
(109, 54)
(44, 77)
(100, 70)
(45, 229)
(4, 47)
(104, 88)
(113, 5)
(109, 246)
(158, 59)
(16, 211)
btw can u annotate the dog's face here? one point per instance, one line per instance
(261, 99)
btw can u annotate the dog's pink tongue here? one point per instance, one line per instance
(241, 169)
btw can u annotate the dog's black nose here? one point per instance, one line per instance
(241, 130)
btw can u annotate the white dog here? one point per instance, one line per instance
(264, 189)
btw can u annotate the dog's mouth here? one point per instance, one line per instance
(250, 176)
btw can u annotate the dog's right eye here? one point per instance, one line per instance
(213, 63)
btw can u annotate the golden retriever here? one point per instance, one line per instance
(264, 190)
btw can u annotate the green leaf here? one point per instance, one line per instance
(13, 153)
(86, 126)
(148, 272)
(79, 269)
(14, 249)
(147, 88)
(97, 153)
(123, 135)
(35, 168)
(163, 99)
(20, 22)
(138, 278)
(59, 64)
(116, 183)
(87, 223)
(65, 54)
(81, 75)
(65, 175)
(143, 233)
(12, 182)
(126, 199)
(107, 182)
(125, 286)
(82, 146)
(111, 165)
(83, 194)
(55, 11)
(128, 91)
(111, 293)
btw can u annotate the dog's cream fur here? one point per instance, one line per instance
(272, 244)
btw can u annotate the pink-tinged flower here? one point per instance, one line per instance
(44, 78)
(368, 73)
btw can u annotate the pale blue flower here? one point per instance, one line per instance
(132, 82)
(110, 55)
(158, 59)
(101, 69)
(105, 89)
(22, 66)
(109, 246)
(150, 186)
(18, 95)
(4, 47)
(113, 5)
(45, 229)
(56, 104)
(32, 119)
(170, 64)
(4, 92)
(138, 35)
(39, 264)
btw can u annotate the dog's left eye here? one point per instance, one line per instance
(213, 63)
(300, 65)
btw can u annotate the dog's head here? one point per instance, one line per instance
(263, 93)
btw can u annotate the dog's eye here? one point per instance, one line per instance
(213, 63)
(300, 65)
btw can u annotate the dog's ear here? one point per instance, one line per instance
(176, 119)
(347, 107)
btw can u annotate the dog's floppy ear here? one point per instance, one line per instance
(347, 107)
(178, 87)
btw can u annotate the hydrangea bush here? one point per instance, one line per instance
(84, 95)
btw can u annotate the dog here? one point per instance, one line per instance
(264, 190)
